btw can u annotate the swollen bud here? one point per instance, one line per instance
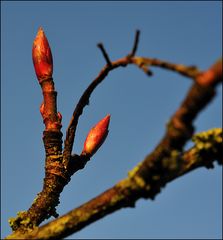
(42, 109)
(96, 137)
(42, 57)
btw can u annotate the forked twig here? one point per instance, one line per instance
(164, 163)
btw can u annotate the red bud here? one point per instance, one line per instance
(42, 109)
(42, 57)
(59, 115)
(96, 136)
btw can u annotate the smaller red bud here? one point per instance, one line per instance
(42, 108)
(96, 137)
(42, 56)
(59, 115)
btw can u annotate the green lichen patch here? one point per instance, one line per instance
(208, 143)
(133, 172)
(137, 181)
(116, 198)
(56, 156)
(208, 140)
(124, 184)
(214, 134)
(84, 216)
(21, 219)
(171, 162)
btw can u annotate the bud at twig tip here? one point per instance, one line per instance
(96, 136)
(42, 56)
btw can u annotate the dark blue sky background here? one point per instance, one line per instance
(182, 32)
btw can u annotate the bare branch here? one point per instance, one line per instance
(164, 163)
(126, 192)
(191, 72)
(63, 170)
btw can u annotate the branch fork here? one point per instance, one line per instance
(165, 163)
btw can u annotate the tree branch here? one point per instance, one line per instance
(208, 148)
(55, 177)
(61, 166)
(159, 163)
(84, 100)
(141, 62)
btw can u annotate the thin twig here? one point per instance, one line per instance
(191, 72)
(101, 47)
(136, 43)
(144, 63)
(84, 100)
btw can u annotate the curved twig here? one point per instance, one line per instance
(191, 72)
(84, 100)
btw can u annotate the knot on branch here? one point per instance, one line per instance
(51, 118)
(77, 162)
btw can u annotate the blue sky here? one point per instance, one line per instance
(182, 32)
